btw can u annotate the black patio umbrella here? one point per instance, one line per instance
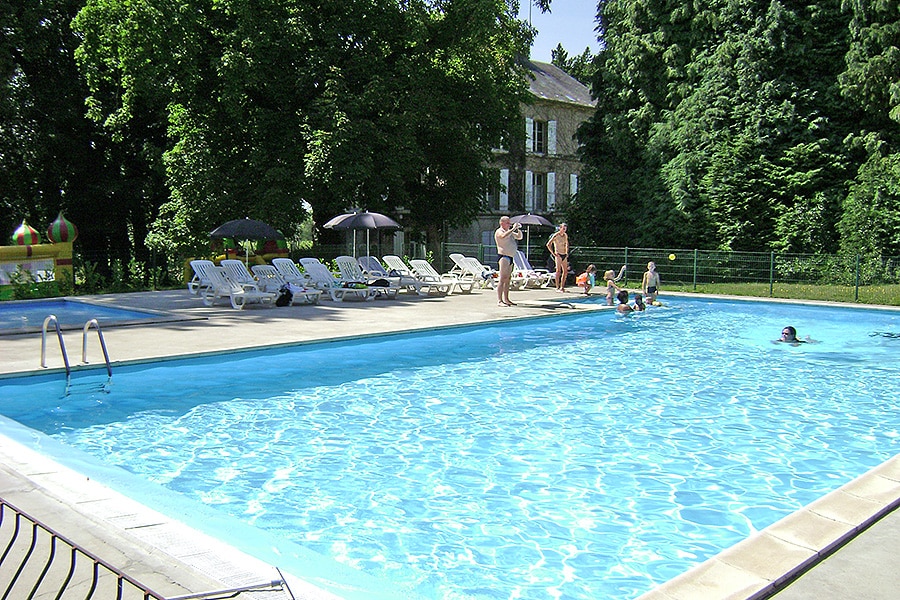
(528, 220)
(246, 229)
(361, 220)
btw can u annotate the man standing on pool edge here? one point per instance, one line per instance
(558, 245)
(505, 238)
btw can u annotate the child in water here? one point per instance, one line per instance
(639, 303)
(611, 288)
(586, 280)
(623, 306)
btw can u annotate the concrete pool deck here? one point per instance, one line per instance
(175, 560)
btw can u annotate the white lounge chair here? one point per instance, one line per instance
(470, 269)
(222, 286)
(237, 271)
(532, 278)
(425, 272)
(321, 278)
(373, 269)
(351, 272)
(270, 280)
(200, 280)
(289, 271)
(459, 267)
(372, 266)
(396, 264)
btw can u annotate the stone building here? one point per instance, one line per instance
(540, 174)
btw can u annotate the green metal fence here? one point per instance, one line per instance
(847, 278)
(813, 276)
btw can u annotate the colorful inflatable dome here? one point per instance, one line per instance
(62, 230)
(26, 235)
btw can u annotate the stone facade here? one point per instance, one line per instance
(540, 175)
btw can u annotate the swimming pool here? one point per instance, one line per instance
(27, 316)
(472, 463)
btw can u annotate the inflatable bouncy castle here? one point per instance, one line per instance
(50, 262)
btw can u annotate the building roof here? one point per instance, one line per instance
(549, 82)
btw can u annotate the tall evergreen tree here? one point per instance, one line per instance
(870, 223)
(721, 126)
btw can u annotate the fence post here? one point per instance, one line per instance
(695, 269)
(771, 273)
(856, 287)
(625, 283)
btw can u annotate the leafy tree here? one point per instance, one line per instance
(274, 104)
(52, 156)
(412, 126)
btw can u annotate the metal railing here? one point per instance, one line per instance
(84, 336)
(62, 343)
(37, 562)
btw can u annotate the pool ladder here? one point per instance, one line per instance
(62, 344)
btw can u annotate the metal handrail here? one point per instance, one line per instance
(98, 567)
(96, 563)
(84, 359)
(62, 344)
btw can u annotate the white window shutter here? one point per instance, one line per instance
(551, 137)
(504, 189)
(573, 184)
(529, 134)
(529, 191)
(551, 190)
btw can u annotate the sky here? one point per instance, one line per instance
(571, 23)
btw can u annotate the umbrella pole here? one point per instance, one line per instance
(528, 242)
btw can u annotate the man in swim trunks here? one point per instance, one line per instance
(505, 238)
(558, 245)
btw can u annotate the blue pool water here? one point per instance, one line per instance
(29, 315)
(580, 457)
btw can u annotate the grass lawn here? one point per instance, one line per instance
(888, 295)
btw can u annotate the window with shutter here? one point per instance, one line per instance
(551, 190)
(529, 191)
(551, 137)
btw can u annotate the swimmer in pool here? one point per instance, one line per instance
(789, 336)
(623, 306)
(639, 303)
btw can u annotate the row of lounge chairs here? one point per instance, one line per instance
(363, 279)
(523, 275)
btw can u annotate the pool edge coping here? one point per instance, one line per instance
(84, 368)
(759, 585)
(795, 543)
(160, 316)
